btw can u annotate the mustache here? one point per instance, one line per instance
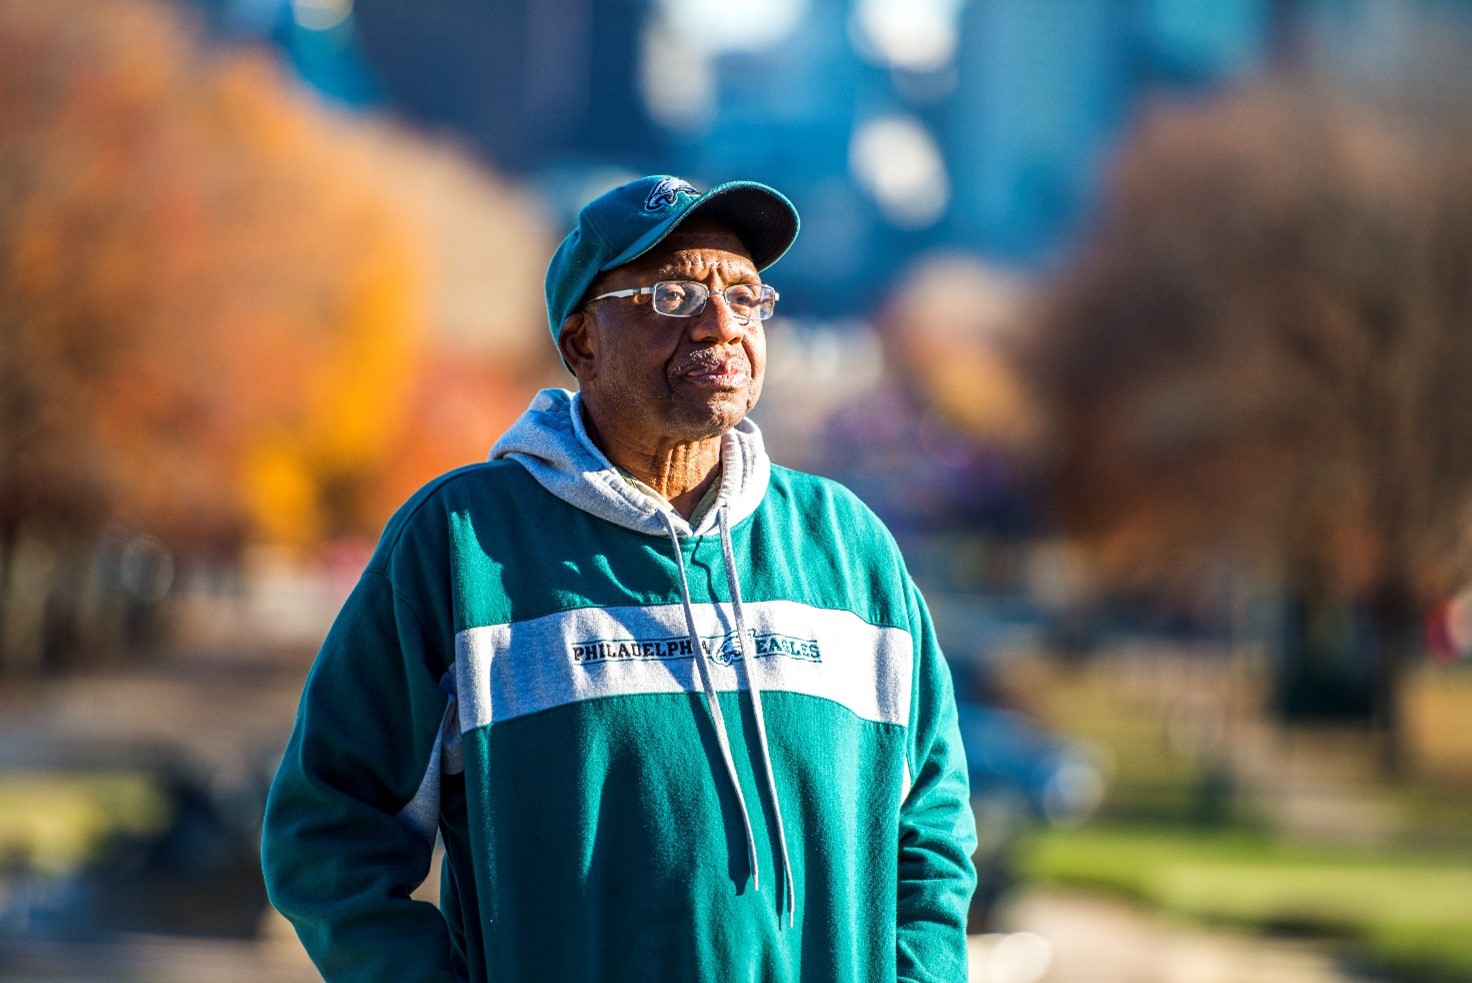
(709, 360)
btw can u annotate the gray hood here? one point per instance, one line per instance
(550, 441)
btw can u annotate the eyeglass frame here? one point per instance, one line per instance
(709, 293)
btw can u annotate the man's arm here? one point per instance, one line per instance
(339, 861)
(937, 828)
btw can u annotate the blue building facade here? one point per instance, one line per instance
(998, 133)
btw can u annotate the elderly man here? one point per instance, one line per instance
(676, 713)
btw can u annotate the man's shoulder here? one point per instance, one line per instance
(473, 487)
(807, 488)
(859, 565)
(812, 495)
(472, 480)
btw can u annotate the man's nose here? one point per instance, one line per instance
(718, 323)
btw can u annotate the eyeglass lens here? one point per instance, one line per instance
(687, 298)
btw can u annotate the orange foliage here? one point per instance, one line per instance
(456, 411)
(218, 297)
(213, 313)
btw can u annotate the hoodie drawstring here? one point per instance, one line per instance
(790, 901)
(702, 670)
(708, 686)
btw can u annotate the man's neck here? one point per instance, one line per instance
(682, 472)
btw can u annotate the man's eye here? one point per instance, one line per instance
(673, 298)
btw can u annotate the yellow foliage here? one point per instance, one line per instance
(359, 389)
(282, 493)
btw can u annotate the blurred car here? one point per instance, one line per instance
(185, 860)
(1022, 775)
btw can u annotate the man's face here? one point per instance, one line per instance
(654, 380)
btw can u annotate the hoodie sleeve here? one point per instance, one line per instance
(937, 833)
(339, 854)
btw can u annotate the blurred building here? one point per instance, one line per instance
(523, 82)
(318, 38)
(528, 82)
(1044, 89)
(897, 126)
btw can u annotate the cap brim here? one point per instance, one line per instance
(763, 219)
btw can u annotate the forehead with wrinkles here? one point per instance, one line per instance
(693, 251)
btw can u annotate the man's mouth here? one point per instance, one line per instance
(710, 369)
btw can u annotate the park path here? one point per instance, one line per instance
(230, 709)
(1063, 937)
(1058, 938)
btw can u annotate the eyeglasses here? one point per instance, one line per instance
(687, 298)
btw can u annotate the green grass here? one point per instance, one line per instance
(1409, 913)
(54, 822)
(1429, 953)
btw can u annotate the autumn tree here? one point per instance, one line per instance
(1261, 352)
(207, 304)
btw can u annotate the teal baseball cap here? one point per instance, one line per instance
(624, 223)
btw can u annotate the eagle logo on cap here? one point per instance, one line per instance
(665, 193)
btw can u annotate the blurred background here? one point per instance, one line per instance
(1143, 323)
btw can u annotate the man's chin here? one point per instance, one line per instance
(717, 413)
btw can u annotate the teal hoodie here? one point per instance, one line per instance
(653, 751)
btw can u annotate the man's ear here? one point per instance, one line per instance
(575, 342)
